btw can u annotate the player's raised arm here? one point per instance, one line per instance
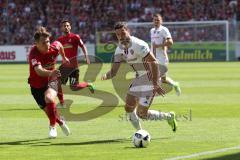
(113, 71)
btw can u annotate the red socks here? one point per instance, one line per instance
(52, 114)
(80, 86)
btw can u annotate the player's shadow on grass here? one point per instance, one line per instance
(153, 139)
(110, 141)
(19, 109)
(234, 156)
(25, 142)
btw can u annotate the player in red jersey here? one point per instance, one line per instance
(44, 78)
(70, 42)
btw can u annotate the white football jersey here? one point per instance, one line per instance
(134, 55)
(158, 35)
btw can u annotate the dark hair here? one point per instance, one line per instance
(157, 15)
(119, 25)
(41, 32)
(66, 20)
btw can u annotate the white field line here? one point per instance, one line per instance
(203, 153)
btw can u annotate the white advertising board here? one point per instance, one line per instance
(19, 53)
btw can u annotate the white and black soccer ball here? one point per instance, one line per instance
(141, 138)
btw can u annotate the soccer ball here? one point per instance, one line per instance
(141, 138)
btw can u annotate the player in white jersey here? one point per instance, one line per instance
(161, 40)
(147, 82)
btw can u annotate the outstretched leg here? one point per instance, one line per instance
(144, 113)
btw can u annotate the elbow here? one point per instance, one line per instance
(170, 43)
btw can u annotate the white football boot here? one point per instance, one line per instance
(52, 132)
(65, 128)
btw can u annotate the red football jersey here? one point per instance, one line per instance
(70, 43)
(47, 61)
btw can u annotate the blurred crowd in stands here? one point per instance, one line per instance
(19, 18)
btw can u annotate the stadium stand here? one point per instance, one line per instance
(20, 17)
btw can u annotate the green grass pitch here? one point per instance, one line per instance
(208, 116)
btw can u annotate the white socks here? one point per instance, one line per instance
(171, 82)
(152, 115)
(157, 115)
(134, 119)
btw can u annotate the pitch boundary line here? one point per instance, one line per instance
(203, 153)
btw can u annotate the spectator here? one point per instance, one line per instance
(91, 15)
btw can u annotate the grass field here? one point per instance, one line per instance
(210, 90)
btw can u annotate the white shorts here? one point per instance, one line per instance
(163, 70)
(142, 88)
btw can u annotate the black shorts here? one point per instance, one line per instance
(38, 95)
(69, 73)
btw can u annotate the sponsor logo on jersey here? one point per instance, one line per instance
(144, 49)
(67, 46)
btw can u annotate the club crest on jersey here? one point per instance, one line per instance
(146, 102)
(34, 62)
(70, 40)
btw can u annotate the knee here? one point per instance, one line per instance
(142, 114)
(129, 108)
(131, 103)
(49, 98)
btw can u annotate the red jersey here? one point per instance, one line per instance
(70, 44)
(47, 61)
